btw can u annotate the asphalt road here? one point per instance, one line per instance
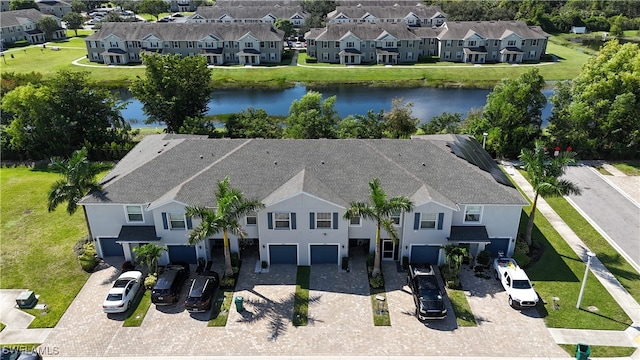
(615, 214)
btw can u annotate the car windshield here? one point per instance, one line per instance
(428, 290)
(114, 297)
(521, 284)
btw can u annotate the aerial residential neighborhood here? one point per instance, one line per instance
(507, 230)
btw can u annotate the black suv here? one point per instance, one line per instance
(203, 289)
(427, 294)
(167, 289)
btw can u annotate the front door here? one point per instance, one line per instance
(388, 248)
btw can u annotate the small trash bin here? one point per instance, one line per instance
(238, 301)
(582, 352)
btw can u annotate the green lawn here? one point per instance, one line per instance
(301, 297)
(221, 309)
(37, 246)
(629, 167)
(141, 306)
(601, 351)
(464, 316)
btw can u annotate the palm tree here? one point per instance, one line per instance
(79, 178)
(544, 172)
(380, 211)
(231, 206)
(148, 254)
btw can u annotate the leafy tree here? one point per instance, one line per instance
(174, 88)
(62, 114)
(617, 27)
(78, 6)
(11, 80)
(544, 174)
(48, 25)
(514, 114)
(148, 254)
(285, 25)
(454, 254)
(112, 16)
(198, 126)
(23, 4)
(444, 123)
(312, 118)
(74, 21)
(379, 210)
(359, 126)
(400, 122)
(253, 123)
(153, 7)
(78, 179)
(230, 207)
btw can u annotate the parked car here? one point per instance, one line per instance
(515, 282)
(201, 292)
(428, 296)
(167, 289)
(123, 292)
(17, 354)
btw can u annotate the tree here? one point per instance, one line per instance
(379, 210)
(74, 21)
(62, 114)
(78, 179)
(112, 16)
(253, 123)
(312, 118)
(78, 6)
(153, 7)
(285, 25)
(48, 25)
(148, 254)
(400, 122)
(230, 207)
(23, 4)
(174, 88)
(198, 126)
(444, 123)
(617, 26)
(514, 114)
(544, 173)
(359, 126)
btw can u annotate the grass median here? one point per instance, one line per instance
(301, 297)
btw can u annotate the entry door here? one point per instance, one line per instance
(388, 248)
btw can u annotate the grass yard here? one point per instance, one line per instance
(221, 308)
(301, 297)
(464, 316)
(629, 167)
(37, 246)
(601, 351)
(140, 306)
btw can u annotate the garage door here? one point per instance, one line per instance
(283, 254)
(324, 254)
(424, 254)
(498, 245)
(111, 248)
(183, 253)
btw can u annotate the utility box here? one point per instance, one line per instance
(26, 300)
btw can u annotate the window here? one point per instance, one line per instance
(389, 44)
(248, 45)
(447, 43)
(337, 44)
(282, 220)
(355, 221)
(395, 217)
(350, 44)
(251, 219)
(323, 220)
(460, 43)
(472, 43)
(511, 43)
(176, 44)
(495, 42)
(428, 220)
(534, 42)
(522, 42)
(134, 213)
(176, 221)
(472, 213)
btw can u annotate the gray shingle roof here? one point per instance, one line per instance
(249, 12)
(16, 17)
(364, 31)
(160, 169)
(454, 30)
(384, 12)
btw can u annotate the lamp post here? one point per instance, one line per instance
(484, 139)
(584, 279)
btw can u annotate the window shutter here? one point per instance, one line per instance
(440, 220)
(335, 220)
(270, 220)
(165, 223)
(189, 223)
(293, 221)
(312, 221)
(416, 221)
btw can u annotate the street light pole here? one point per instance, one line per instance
(584, 279)
(484, 139)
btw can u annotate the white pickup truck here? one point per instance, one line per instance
(515, 282)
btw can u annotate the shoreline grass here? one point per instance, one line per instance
(301, 297)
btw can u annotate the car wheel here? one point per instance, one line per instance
(128, 305)
(512, 303)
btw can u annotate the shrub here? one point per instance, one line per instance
(264, 265)
(345, 263)
(484, 257)
(235, 259)
(311, 60)
(87, 256)
(521, 254)
(370, 259)
(377, 282)
(150, 281)
(228, 282)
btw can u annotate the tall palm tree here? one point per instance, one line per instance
(379, 210)
(544, 172)
(79, 178)
(231, 206)
(148, 254)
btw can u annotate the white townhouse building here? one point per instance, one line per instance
(267, 13)
(18, 25)
(414, 15)
(460, 197)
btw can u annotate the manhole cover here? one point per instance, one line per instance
(592, 308)
(27, 212)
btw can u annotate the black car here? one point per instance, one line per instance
(167, 289)
(17, 354)
(203, 289)
(427, 294)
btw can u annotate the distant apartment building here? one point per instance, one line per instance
(231, 14)
(414, 15)
(21, 25)
(56, 8)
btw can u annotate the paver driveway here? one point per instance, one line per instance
(340, 322)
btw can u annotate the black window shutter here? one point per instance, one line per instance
(293, 221)
(335, 220)
(165, 223)
(416, 221)
(270, 220)
(440, 220)
(312, 220)
(189, 223)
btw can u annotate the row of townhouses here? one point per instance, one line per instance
(460, 197)
(414, 15)
(21, 25)
(253, 14)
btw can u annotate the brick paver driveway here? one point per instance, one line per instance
(340, 321)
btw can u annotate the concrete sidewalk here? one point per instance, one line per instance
(629, 337)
